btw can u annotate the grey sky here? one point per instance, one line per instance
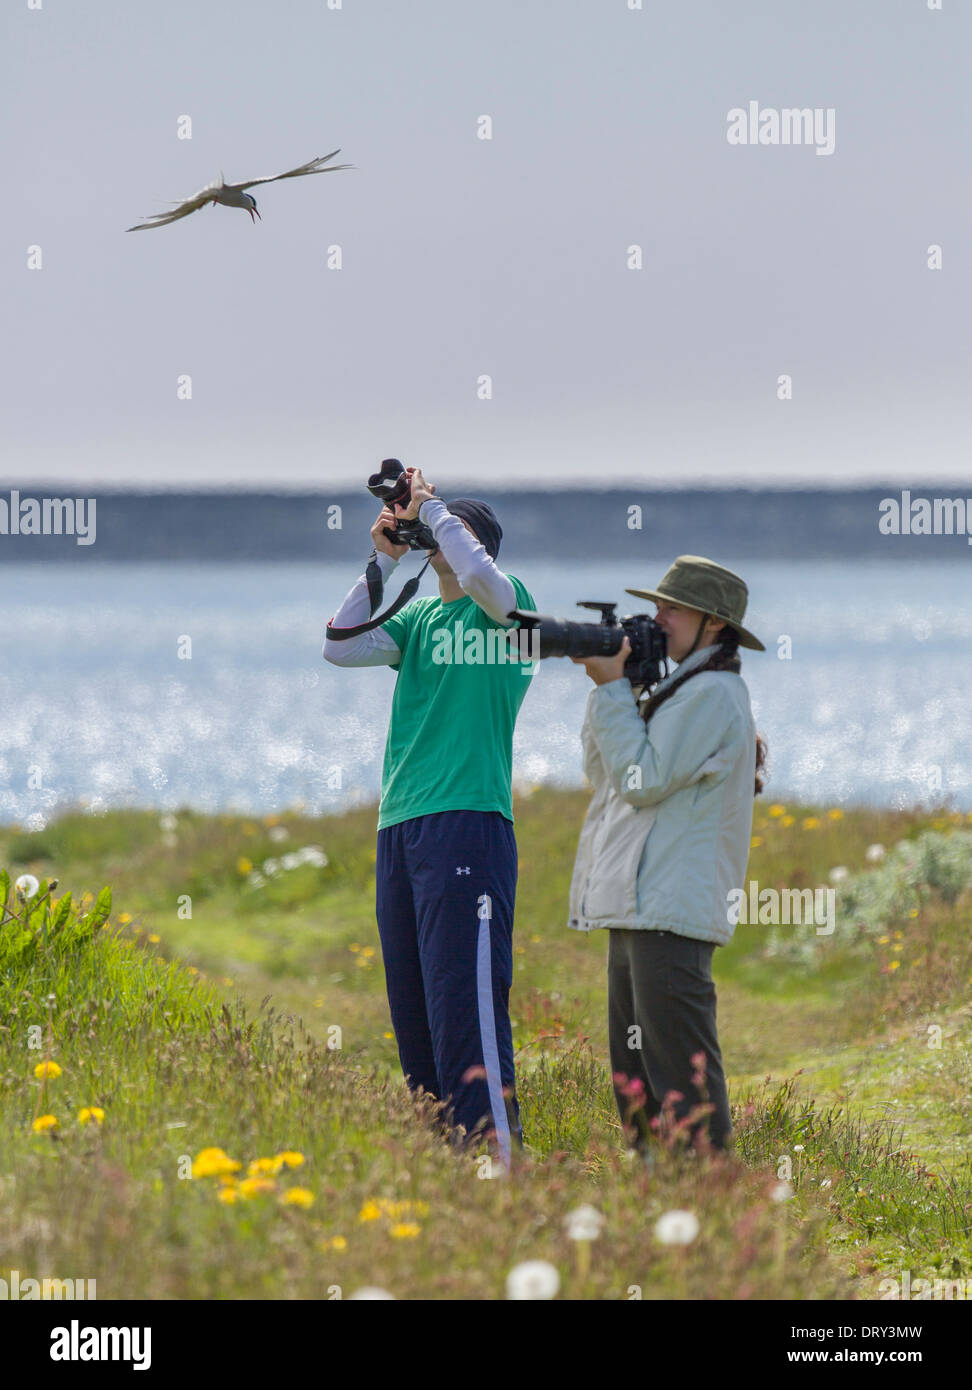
(506, 257)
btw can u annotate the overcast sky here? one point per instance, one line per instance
(505, 257)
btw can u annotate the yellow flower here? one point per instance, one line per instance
(297, 1197)
(124, 918)
(47, 1069)
(405, 1230)
(371, 1211)
(192, 970)
(535, 939)
(777, 810)
(255, 1187)
(893, 965)
(211, 1162)
(264, 1165)
(883, 940)
(755, 842)
(244, 865)
(913, 912)
(354, 946)
(811, 823)
(367, 950)
(898, 946)
(44, 1123)
(338, 1243)
(291, 1157)
(836, 814)
(787, 820)
(388, 1035)
(87, 1113)
(154, 938)
(227, 1194)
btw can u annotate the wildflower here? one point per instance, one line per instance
(368, 951)
(835, 814)
(533, 1279)
(781, 1192)
(154, 938)
(50, 1069)
(279, 833)
(264, 1165)
(291, 1157)
(371, 1211)
(584, 1223)
(798, 1148)
(124, 918)
(755, 842)
(874, 854)
(811, 823)
(26, 886)
(787, 820)
(87, 1113)
(388, 1035)
(193, 970)
(298, 1197)
(838, 873)
(883, 940)
(893, 965)
(405, 1230)
(44, 1123)
(211, 1162)
(244, 866)
(227, 1195)
(256, 1187)
(677, 1228)
(338, 1243)
(776, 810)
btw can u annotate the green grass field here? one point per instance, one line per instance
(228, 994)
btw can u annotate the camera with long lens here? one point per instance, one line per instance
(391, 485)
(645, 666)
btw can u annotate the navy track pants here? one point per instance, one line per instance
(445, 890)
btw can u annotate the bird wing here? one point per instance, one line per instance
(313, 166)
(182, 209)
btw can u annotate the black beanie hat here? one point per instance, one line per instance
(481, 518)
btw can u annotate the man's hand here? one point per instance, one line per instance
(602, 669)
(421, 492)
(381, 542)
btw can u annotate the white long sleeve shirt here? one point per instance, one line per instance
(475, 570)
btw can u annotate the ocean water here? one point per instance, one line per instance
(872, 705)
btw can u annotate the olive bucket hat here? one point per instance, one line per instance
(695, 582)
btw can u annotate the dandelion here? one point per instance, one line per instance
(893, 965)
(405, 1230)
(835, 814)
(87, 1113)
(256, 1187)
(291, 1157)
(755, 842)
(368, 951)
(883, 940)
(227, 1195)
(278, 833)
(781, 1192)
(388, 1035)
(26, 886)
(811, 823)
(677, 1228)
(585, 1223)
(787, 820)
(43, 1123)
(244, 866)
(264, 1166)
(209, 1163)
(798, 1148)
(533, 1279)
(43, 1069)
(776, 810)
(338, 1243)
(838, 873)
(371, 1211)
(154, 938)
(874, 854)
(298, 1197)
(124, 918)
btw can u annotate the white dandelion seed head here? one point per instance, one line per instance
(26, 886)
(677, 1228)
(838, 873)
(874, 854)
(532, 1279)
(586, 1223)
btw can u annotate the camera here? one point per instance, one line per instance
(645, 666)
(391, 486)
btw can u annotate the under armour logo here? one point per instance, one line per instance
(462, 871)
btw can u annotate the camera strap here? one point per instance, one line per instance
(375, 591)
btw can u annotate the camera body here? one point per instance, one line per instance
(645, 666)
(391, 486)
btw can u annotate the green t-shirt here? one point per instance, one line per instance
(450, 736)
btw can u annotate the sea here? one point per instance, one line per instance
(202, 684)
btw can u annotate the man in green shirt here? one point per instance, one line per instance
(446, 864)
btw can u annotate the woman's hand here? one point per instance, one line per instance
(602, 669)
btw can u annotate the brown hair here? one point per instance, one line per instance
(725, 659)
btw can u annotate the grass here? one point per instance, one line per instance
(198, 1006)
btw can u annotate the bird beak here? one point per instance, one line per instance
(251, 211)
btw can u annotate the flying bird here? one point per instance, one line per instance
(234, 195)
